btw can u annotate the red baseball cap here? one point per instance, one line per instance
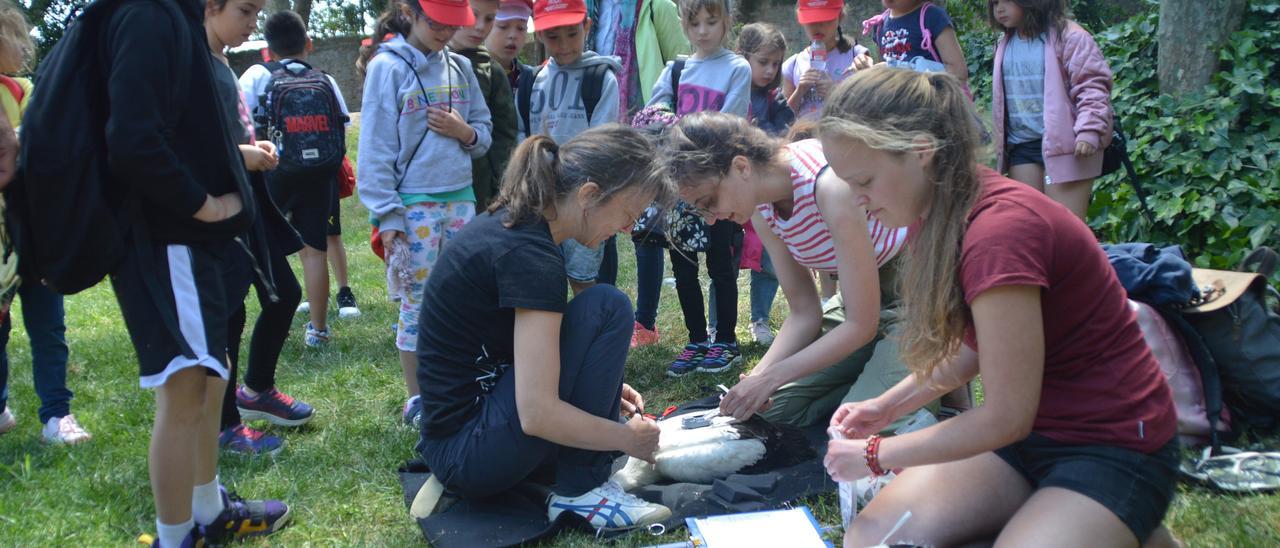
(456, 13)
(549, 14)
(818, 11)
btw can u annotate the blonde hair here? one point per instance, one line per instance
(15, 33)
(614, 157)
(717, 8)
(900, 111)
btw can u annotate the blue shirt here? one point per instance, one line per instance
(901, 38)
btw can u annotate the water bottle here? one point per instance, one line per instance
(817, 61)
(848, 500)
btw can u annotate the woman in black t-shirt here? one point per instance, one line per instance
(500, 398)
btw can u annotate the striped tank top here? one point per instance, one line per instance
(805, 232)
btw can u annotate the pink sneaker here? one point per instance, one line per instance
(641, 336)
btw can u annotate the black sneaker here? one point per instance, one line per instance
(347, 304)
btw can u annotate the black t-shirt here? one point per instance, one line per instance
(468, 311)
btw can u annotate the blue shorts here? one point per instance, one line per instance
(1031, 152)
(582, 263)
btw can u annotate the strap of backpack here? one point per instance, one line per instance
(593, 88)
(1210, 379)
(423, 89)
(677, 67)
(926, 41)
(524, 96)
(14, 87)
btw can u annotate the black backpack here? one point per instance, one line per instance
(301, 115)
(68, 218)
(592, 89)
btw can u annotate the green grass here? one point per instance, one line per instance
(339, 471)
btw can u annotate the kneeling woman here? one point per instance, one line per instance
(514, 377)
(1075, 443)
(732, 171)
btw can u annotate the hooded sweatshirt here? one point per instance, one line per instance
(556, 108)
(394, 121)
(720, 82)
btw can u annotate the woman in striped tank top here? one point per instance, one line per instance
(806, 218)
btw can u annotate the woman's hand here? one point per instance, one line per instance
(858, 420)
(846, 460)
(448, 122)
(632, 401)
(643, 438)
(748, 397)
(1084, 149)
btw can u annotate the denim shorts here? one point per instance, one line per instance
(1136, 487)
(1031, 152)
(582, 263)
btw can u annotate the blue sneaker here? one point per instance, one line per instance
(608, 508)
(247, 441)
(720, 357)
(688, 361)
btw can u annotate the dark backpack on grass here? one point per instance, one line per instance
(1239, 343)
(301, 115)
(68, 218)
(592, 89)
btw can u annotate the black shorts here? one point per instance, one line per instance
(313, 211)
(1136, 487)
(184, 301)
(1026, 153)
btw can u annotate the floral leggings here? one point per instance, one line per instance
(428, 225)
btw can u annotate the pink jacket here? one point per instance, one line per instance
(1077, 104)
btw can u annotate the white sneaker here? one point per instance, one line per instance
(304, 307)
(761, 332)
(64, 431)
(7, 421)
(608, 507)
(347, 304)
(316, 337)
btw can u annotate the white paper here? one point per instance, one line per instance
(790, 528)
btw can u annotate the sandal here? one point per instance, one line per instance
(1236, 471)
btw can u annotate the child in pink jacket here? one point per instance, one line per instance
(1051, 100)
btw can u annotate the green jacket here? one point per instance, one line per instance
(659, 39)
(486, 171)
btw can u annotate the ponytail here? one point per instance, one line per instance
(391, 22)
(842, 43)
(531, 182)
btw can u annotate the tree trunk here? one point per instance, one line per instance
(303, 7)
(278, 5)
(1191, 34)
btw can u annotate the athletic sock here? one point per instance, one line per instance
(171, 536)
(206, 502)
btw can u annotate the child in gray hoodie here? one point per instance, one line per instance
(558, 108)
(423, 119)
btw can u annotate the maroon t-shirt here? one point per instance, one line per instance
(1102, 385)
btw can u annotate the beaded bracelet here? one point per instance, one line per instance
(872, 455)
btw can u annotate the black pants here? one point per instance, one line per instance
(491, 453)
(269, 332)
(724, 282)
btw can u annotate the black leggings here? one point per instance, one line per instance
(724, 282)
(269, 332)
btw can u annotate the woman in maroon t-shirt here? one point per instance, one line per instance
(1075, 442)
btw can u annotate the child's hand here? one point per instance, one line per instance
(389, 236)
(258, 159)
(808, 80)
(268, 146)
(448, 122)
(1084, 149)
(863, 62)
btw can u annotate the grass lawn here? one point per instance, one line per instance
(338, 472)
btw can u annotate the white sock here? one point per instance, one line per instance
(206, 502)
(171, 536)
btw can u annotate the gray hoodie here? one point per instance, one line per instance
(555, 105)
(721, 82)
(393, 121)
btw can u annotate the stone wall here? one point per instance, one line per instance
(337, 56)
